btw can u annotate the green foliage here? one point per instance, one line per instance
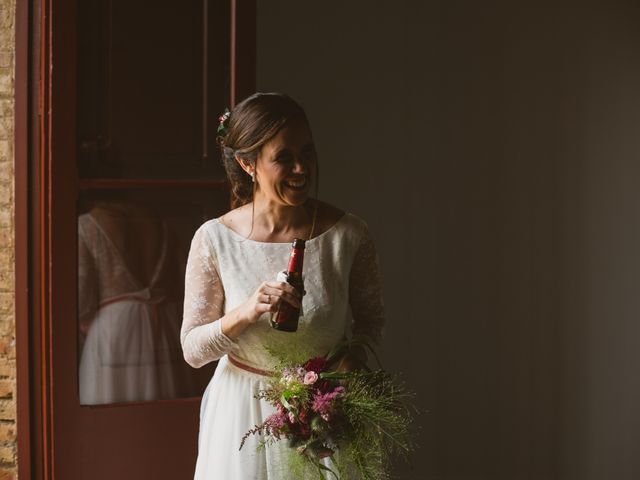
(369, 425)
(375, 406)
(289, 349)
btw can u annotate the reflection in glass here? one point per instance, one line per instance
(130, 283)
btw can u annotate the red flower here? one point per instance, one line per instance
(324, 386)
(317, 364)
(301, 430)
(303, 416)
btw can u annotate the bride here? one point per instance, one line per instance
(271, 164)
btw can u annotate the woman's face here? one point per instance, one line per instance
(286, 165)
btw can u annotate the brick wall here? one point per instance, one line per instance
(7, 286)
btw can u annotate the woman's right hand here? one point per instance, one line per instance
(267, 298)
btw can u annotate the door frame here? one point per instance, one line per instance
(44, 100)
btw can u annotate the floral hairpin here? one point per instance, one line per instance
(223, 127)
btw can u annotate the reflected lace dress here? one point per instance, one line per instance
(129, 330)
(343, 298)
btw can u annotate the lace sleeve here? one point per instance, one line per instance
(365, 292)
(201, 335)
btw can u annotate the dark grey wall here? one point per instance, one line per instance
(493, 150)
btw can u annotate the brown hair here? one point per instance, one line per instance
(252, 123)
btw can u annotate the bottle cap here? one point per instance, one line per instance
(298, 243)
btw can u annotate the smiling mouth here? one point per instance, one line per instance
(297, 184)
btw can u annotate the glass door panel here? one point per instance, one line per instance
(132, 253)
(152, 80)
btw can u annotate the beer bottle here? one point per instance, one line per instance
(286, 318)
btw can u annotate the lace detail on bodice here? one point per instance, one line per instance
(342, 280)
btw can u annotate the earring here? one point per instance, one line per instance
(253, 176)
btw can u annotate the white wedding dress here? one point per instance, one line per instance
(129, 329)
(343, 297)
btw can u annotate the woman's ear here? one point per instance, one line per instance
(247, 165)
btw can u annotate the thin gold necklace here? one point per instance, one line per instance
(313, 219)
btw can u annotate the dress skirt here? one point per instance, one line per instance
(225, 417)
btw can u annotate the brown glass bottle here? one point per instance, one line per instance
(286, 318)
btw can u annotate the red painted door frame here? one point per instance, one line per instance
(46, 188)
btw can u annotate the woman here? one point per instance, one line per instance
(129, 307)
(271, 164)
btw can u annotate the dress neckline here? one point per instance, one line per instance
(258, 242)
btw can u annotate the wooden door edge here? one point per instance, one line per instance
(32, 62)
(32, 139)
(21, 225)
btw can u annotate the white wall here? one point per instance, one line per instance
(493, 151)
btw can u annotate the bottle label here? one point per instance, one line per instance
(287, 316)
(295, 261)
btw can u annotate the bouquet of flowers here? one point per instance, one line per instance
(358, 420)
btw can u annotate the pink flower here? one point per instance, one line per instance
(310, 378)
(323, 402)
(292, 417)
(274, 424)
